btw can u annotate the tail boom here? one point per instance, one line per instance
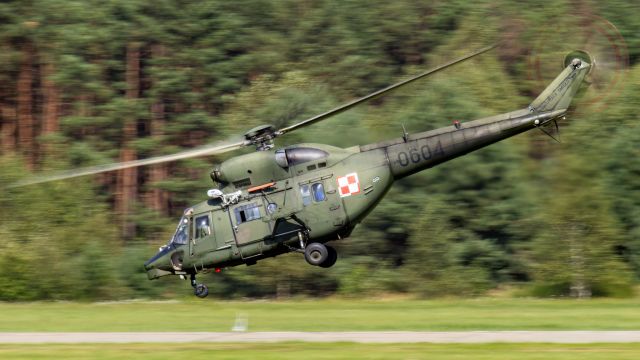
(416, 152)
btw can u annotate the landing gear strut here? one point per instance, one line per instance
(200, 290)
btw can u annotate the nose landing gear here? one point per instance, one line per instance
(200, 290)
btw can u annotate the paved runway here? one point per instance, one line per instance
(566, 337)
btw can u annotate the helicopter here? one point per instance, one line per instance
(299, 197)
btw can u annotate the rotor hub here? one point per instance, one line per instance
(577, 57)
(261, 136)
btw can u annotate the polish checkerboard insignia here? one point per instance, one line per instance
(348, 184)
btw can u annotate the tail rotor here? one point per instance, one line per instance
(589, 38)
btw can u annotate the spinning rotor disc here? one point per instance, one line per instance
(589, 38)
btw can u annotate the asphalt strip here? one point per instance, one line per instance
(453, 337)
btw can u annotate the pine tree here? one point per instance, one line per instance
(576, 251)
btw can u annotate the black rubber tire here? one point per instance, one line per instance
(316, 254)
(201, 291)
(331, 259)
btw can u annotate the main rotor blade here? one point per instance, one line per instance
(211, 149)
(380, 92)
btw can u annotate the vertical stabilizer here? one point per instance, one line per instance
(559, 94)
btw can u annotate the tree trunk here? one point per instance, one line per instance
(127, 184)
(25, 106)
(157, 199)
(8, 131)
(51, 106)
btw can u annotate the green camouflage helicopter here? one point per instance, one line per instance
(298, 198)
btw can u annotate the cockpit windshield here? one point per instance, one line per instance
(181, 236)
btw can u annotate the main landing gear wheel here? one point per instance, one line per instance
(316, 254)
(331, 259)
(200, 290)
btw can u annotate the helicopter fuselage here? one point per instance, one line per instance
(319, 194)
(297, 198)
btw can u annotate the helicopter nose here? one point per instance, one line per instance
(152, 263)
(156, 266)
(148, 265)
(155, 271)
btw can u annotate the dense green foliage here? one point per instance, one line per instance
(558, 219)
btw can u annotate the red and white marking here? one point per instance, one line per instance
(348, 184)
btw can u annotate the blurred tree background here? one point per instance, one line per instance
(89, 82)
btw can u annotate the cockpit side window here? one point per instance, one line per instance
(203, 226)
(247, 213)
(181, 236)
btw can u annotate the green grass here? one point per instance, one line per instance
(325, 315)
(323, 351)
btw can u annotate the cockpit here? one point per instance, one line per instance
(181, 235)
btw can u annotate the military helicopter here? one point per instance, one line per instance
(298, 198)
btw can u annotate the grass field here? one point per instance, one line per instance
(324, 351)
(325, 315)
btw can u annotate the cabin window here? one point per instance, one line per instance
(305, 191)
(318, 192)
(203, 226)
(247, 213)
(312, 193)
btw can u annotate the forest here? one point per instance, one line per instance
(87, 82)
